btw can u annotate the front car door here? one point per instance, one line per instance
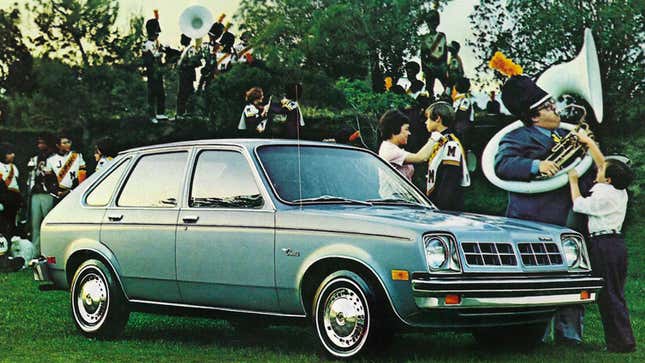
(140, 225)
(225, 235)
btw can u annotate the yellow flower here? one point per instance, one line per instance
(505, 65)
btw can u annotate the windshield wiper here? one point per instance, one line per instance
(331, 198)
(396, 201)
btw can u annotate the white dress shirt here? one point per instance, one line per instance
(606, 207)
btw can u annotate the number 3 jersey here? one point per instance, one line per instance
(68, 168)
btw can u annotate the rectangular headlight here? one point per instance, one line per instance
(574, 252)
(441, 253)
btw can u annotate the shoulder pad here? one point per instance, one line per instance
(251, 111)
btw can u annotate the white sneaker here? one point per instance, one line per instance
(154, 120)
(161, 117)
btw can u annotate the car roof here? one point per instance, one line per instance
(246, 143)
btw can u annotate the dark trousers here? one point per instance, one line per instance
(11, 202)
(186, 89)
(609, 260)
(156, 95)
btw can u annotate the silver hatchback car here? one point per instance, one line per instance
(274, 228)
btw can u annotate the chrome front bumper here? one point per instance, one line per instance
(505, 292)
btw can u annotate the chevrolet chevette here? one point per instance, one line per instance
(304, 230)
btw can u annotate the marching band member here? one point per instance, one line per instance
(10, 197)
(447, 170)
(40, 186)
(433, 54)
(152, 53)
(189, 60)
(522, 156)
(289, 106)
(464, 110)
(242, 50)
(67, 166)
(103, 152)
(209, 50)
(225, 53)
(455, 66)
(255, 114)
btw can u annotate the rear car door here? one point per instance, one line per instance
(139, 227)
(225, 238)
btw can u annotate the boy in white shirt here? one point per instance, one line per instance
(606, 209)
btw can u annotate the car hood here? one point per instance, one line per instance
(377, 219)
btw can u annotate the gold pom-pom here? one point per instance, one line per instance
(505, 65)
(388, 83)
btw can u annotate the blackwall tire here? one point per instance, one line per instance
(99, 309)
(348, 316)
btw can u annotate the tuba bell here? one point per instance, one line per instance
(580, 76)
(195, 21)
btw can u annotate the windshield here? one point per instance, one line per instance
(334, 175)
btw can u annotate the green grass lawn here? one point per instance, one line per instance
(37, 326)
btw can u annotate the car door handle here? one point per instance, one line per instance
(115, 217)
(190, 219)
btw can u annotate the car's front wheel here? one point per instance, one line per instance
(347, 315)
(99, 308)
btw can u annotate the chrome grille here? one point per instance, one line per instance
(489, 253)
(539, 254)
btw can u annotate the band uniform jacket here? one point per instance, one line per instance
(67, 168)
(513, 161)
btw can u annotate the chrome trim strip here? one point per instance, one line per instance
(135, 301)
(512, 281)
(488, 313)
(504, 302)
(458, 291)
(343, 232)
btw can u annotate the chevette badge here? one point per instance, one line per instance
(291, 253)
(545, 239)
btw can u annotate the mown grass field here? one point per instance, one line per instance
(37, 326)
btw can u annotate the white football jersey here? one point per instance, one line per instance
(66, 167)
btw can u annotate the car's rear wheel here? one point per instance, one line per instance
(99, 308)
(517, 336)
(348, 315)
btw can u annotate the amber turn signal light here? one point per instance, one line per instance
(400, 275)
(585, 295)
(453, 299)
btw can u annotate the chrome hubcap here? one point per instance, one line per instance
(344, 320)
(91, 299)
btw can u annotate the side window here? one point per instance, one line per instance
(100, 196)
(156, 181)
(223, 179)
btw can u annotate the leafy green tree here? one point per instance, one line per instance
(355, 39)
(537, 34)
(15, 59)
(77, 29)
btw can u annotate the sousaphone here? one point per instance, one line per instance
(580, 76)
(195, 21)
